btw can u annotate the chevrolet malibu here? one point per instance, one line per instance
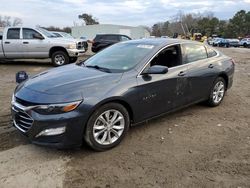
(97, 100)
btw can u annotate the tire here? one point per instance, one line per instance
(217, 92)
(73, 59)
(59, 58)
(245, 45)
(106, 136)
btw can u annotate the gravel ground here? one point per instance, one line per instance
(195, 147)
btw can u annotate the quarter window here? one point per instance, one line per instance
(123, 38)
(13, 33)
(29, 33)
(211, 52)
(194, 52)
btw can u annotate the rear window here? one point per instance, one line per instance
(13, 33)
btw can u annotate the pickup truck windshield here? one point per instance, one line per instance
(119, 57)
(66, 35)
(46, 33)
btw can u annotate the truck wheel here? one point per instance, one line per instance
(60, 58)
(73, 59)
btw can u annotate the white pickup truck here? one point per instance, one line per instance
(38, 43)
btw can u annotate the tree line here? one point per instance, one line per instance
(206, 24)
(184, 24)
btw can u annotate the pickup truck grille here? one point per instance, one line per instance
(81, 45)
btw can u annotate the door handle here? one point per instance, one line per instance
(182, 73)
(7, 43)
(211, 66)
(25, 42)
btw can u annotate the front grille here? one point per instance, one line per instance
(21, 119)
(81, 45)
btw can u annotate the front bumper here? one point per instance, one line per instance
(74, 123)
(76, 52)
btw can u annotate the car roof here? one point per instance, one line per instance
(110, 34)
(162, 41)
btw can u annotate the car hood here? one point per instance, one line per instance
(62, 40)
(67, 40)
(67, 83)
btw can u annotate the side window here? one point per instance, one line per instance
(211, 52)
(194, 52)
(13, 33)
(112, 37)
(124, 38)
(169, 57)
(29, 33)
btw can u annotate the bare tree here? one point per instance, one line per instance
(17, 21)
(6, 21)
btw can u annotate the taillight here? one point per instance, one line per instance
(232, 60)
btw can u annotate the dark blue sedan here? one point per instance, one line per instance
(96, 101)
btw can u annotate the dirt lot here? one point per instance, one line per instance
(195, 147)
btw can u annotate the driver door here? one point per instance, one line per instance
(160, 93)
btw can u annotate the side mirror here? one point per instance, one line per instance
(38, 36)
(21, 76)
(156, 69)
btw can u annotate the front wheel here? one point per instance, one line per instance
(217, 92)
(107, 127)
(73, 59)
(60, 58)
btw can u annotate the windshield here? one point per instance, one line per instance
(66, 35)
(46, 33)
(119, 57)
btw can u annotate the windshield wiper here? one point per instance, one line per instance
(99, 68)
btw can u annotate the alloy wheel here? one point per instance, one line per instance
(218, 92)
(108, 127)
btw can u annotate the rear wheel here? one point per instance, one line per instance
(107, 126)
(59, 58)
(217, 92)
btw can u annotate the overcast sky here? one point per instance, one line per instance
(131, 12)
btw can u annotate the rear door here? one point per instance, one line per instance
(12, 43)
(202, 70)
(33, 47)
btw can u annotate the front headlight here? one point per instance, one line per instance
(57, 108)
(72, 46)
